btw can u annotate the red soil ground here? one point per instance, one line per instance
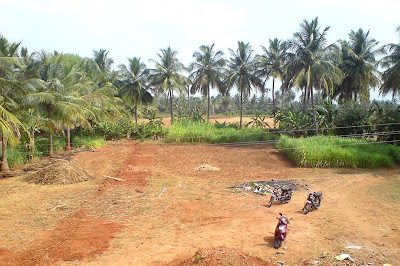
(165, 212)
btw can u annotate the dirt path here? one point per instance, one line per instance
(165, 211)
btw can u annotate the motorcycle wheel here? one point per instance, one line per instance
(306, 209)
(277, 243)
(270, 201)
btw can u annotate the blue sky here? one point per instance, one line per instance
(141, 28)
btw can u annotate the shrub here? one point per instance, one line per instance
(351, 114)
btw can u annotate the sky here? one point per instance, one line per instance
(141, 28)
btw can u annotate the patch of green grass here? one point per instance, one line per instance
(330, 151)
(16, 156)
(19, 155)
(187, 131)
(90, 142)
(42, 145)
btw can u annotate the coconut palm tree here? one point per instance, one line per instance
(391, 77)
(102, 60)
(14, 84)
(359, 65)
(59, 102)
(134, 88)
(207, 72)
(166, 76)
(271, 63)
(241, 73)
(310, 59)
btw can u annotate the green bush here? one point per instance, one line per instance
(16, 156)
(329, 151)
(349, 116)
(90, 142)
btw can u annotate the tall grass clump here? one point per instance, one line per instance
(330, 151)
(189, 131)
(90, 142)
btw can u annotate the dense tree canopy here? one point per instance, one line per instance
(57, 92)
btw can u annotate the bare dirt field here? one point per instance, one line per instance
(166, 213)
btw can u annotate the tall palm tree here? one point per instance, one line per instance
(102, 60)
(166, 74)
(207, 72)
(271, 63)
(59, 102)
(310, 59)
(359, 65)
(241, 73)
(391, 77)
(14, 84)
(134, 89)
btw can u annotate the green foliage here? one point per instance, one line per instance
(154, 128)
(258, 121)
(197, 116)
(188, 131)
(329, 151)
(351, 114)
(116, 130)
(224, 124)
(387, 117)
(295, 122)
(16, 156)
(90, 142)
(42, 145)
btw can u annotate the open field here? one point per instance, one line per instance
(165, 211)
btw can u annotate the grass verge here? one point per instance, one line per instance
(186, 131)
(330, 151)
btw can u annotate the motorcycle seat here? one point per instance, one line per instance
(318, 194)
(286, 188)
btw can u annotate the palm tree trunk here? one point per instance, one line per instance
(304, 99)
(136, 116)
(273, 95)
(282, 97)
(241, 109)
(189, 100)
(68, 146)
(208, 104)
(51, 144)
(171, 102)
(314, 112)
(4, 162)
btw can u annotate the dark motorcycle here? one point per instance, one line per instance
(313, 202)
(285, 195)
(281, 230)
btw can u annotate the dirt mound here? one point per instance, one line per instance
(206, 167)
(61, 173)
(220, 256)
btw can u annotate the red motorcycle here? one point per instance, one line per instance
(281, 230)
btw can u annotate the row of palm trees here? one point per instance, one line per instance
(54, 91)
